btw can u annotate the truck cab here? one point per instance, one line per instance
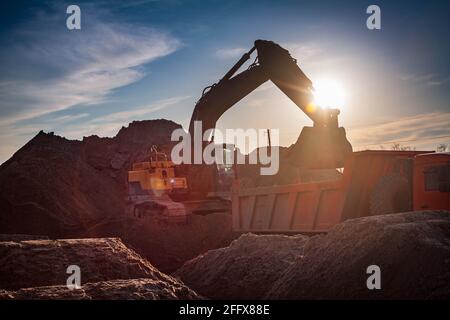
(431, 181)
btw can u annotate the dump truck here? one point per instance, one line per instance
(373, 182)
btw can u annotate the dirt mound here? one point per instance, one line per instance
(21, 237)
(412, 250)
(246, 269)
(38, 263)
(58, 187)
(77, 189)
(168, 246)
(134, 289)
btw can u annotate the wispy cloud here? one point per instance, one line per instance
(138, 112)
(438, 82)
(227, 53)
(430, 79)
(69, 118)
(303, 51)
(89, 66)
(424, 130)
(49, 69)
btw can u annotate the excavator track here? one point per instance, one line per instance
(160, 207)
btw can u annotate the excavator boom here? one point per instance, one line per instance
(275, 64)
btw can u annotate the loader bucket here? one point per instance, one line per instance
(321, 148)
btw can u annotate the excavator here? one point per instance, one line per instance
(372, 182)
(322, 146)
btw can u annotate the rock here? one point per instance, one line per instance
(118, 161)
(246, 269)
(38, 263)
(412, 249)
(135, 289)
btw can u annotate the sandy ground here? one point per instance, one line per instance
(412, 250)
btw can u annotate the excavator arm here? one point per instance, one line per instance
(222, 96)
(275, 64)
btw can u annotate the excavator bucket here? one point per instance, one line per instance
(321, 148)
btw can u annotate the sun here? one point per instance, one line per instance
(328, 93)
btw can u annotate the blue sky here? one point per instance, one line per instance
(141, 59)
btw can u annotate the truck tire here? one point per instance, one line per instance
(391, 194)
